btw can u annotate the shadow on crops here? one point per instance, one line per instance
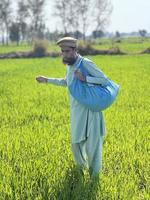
(75, 187)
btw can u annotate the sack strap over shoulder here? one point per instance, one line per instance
(80, 63)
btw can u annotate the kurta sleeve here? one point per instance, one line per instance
(95, 76)
(58, 81)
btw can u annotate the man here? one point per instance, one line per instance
(87, 127)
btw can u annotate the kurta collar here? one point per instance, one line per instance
(76, 62)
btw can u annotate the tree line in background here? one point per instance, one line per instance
(27, 23)
(75, 17)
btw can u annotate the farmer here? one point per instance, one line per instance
(87, 127)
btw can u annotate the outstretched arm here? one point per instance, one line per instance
(55, 81)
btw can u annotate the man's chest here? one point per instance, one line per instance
(70, 74)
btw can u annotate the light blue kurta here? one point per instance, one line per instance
(83, 121)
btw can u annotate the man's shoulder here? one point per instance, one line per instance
(87, 61)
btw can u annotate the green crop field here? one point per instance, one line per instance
(36, 161)
(127, 45)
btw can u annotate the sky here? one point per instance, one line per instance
(127, 16)
(130, 15)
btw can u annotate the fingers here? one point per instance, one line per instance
(77, 73)
(41, 79)
(38, 78)
(79, 76)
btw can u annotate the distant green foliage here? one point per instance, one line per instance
(35, 153)
(40, 48)
(127, 45)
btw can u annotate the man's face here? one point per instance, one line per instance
(68, 55)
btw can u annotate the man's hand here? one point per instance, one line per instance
(79, 76)
(41, 79)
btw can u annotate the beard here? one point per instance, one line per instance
(69, 61)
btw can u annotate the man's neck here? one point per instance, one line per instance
(74, 60)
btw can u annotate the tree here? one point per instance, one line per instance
(83, 9)
(101, 13)
(14, 32)
(36, 8)
(78, 15)
(41, 31)
(5, 18)
(73, 15)
(117, 34)
(22, 17)
(142, 33)
(77, 34)
(97, 34)
(61, 10)
(73, 19)
(69, 14)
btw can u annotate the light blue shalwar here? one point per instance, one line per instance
(87, 127)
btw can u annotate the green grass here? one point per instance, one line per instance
(14, 48)
(25, 47)
(127, 45)
(35, 155)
